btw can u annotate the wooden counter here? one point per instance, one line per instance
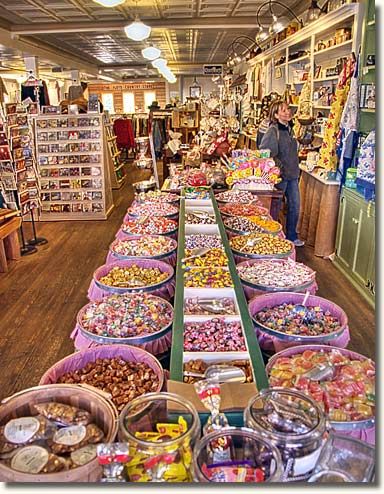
(319, 207)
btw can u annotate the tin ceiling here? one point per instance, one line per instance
(84, 35)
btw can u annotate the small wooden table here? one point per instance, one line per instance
(9, 239)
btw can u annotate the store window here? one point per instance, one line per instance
(149, 98)
(107, 100)
(128, 102)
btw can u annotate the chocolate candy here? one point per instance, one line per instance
(126, 315)
(284, 273)
(242, 224)
(133, 277)
(349, 395)
(201, 240)
(145, 246)
(123, 380)
(200, 220)
(261, 244)
(207, 278)
(152, 209)
(200, 366)
(62, 414)
(313, 322)
(213, 258)
(240, 196)
(242, 209)
(198, 306)
(156, 225)
(214, 335)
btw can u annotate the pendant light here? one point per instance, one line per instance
(313, 12)
(109, 3)
(137, 30)
(151, 52)
(159, 63)
(276, 26)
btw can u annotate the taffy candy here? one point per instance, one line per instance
(149, 225)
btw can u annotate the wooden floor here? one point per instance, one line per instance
(41, 295)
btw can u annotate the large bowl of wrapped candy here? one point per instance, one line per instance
(151, 209)
(280, 315)
(144, 247)
(239, 196)
(134, 319)
(238, 209)
(275, 275)
(340, 381)
(207, 278)
(241, 225)
(157, 196)
(212, 258)
(50, 434)
(145, 225)
(133, 275)
(261, 245)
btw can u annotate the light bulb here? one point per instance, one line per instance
(137, 30)
(276, 26)
(263, 35)
(159, 63)
(151, 53)
(238, 59)
(109, 3)
(313, 12)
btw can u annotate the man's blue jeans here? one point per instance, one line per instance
(290, 189)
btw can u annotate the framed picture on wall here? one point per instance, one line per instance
(195, 91)
(278, 73)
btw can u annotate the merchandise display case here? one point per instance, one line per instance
(75, 181)
(113, 157)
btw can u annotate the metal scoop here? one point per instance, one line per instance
(251, 242)
(197, 252)
(131, 283)
(301, 309)
(212, 305)
(223, 373)
(322, 372)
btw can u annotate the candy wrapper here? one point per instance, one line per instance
(64, 415)
(71, 438)
(233, 471)
(210, 395)
(112, 457)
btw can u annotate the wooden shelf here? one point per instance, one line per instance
(119, 167)
(368, 110)
(369, 67)
(333, 48)
(300, 59)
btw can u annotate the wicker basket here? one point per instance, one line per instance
(101, 408)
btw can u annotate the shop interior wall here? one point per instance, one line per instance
(207, 86)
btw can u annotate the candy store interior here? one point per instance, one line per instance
(187, 241)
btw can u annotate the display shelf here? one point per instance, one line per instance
(111, 155)
(178, 356)
(324, 79)
(73, 208)
(300, 59)
(367, 68)
(371, 23)
(340, 48)
(368, 110)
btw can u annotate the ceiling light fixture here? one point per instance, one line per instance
(276, 26)
(109, 3)
(151, 53)
(137, 30)
(159, 63)
(314, 12)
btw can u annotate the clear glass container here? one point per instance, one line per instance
(293, 423)
(347, 457)
(250, 458)
(161, 430)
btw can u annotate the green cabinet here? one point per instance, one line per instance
(355, 241)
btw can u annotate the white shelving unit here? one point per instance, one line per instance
(307, 38)
(74, 179)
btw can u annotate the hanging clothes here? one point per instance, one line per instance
(75, 92)
(28, 90)
(3, 90)
(54, 93)
(123, 129)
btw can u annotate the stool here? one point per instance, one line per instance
(9, 242)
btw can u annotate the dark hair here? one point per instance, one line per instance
(274, 108)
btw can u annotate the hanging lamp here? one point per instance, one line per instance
(137, 30)
(109, 3)
(314, 12)
(159, 63)
(151, 53)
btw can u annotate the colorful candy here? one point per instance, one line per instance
(149, 226)
(261, 244)
(348, 396)
(240, 196)
(313, 322)
(207, 278)
(145, 246)
(200, 219)
(241, 224)
(152, 209)
(242, 209)
(133, 277)
(127, 315)
(200, 366)
(196, 193)
(156, 196)
(266, 223)
(199, 306)
(202, 240)
(276, 273)
(213, 258)
(214, 335)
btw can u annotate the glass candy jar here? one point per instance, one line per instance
(249, 458)
(292, 422)
(161, 430)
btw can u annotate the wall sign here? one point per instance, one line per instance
(213, 69)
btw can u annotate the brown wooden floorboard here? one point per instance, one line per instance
(41, 294)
